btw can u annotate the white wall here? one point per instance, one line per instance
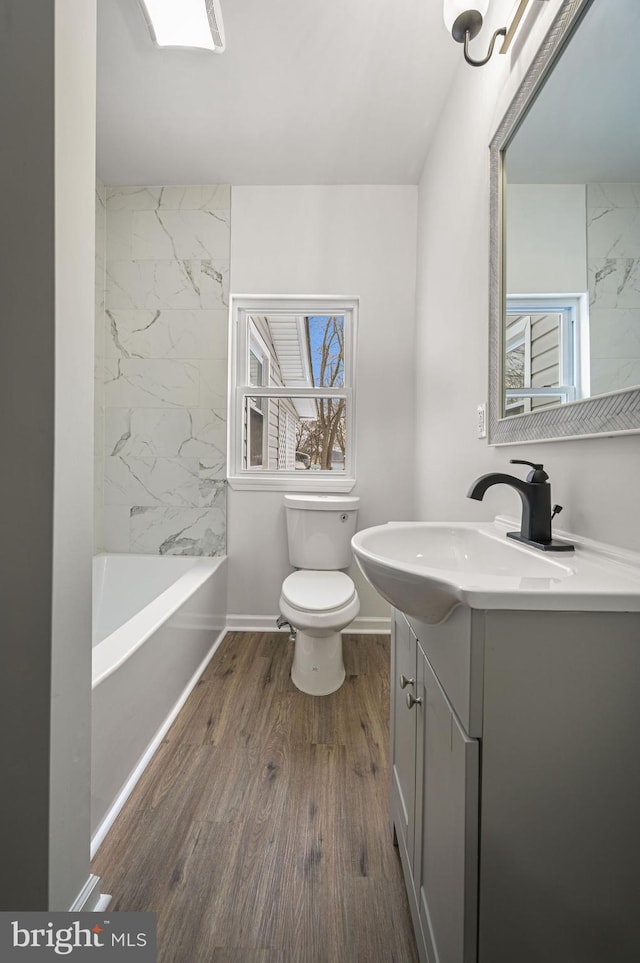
(75, 162)
(546, 239)
(357, 241)
(597, 479)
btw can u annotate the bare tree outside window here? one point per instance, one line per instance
(323, 438)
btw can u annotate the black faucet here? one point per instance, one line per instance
(535, 494)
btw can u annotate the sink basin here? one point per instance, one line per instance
(426, 569)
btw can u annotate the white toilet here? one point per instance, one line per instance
(319, 600)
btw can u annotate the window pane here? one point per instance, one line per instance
(256, 369)
(522, 404)
(255, 432)
(297, 434)
(545, 351)
(326, 345)
(304, 351)
(547, 401)
(514, 371)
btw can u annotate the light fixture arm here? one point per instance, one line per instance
(465, 23)
(502, 32)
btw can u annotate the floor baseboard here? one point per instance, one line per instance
(267, 623)
(90, 899)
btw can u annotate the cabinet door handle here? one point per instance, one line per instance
(413, 701)
(404, 682)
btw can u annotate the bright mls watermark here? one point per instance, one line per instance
(121, 937)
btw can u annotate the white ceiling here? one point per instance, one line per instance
(307, 92)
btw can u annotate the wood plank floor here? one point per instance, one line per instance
(260, 832)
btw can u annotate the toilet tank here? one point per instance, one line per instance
(320, 528)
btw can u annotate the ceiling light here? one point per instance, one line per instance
(464, 23)
(185, 23)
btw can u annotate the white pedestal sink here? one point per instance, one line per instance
(426, 569)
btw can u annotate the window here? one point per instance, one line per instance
(258, 371)
(292, 393)
(546, 353)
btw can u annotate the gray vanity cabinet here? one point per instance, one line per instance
(404, 661)
(446, 856)
(437, 829)
(528, 850)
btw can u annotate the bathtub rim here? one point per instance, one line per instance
(113, 651)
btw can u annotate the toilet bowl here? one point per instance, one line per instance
(319, 600)
(318, 605)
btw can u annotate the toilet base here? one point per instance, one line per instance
(318, 668)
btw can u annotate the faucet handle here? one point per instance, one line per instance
(537, 476)
(519, 461)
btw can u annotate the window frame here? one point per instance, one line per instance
(573, 348)
(241, 307)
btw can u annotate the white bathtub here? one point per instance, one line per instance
(157, 621)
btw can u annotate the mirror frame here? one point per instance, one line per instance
(618, 412)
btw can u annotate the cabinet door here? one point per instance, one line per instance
(403, 733)
(446, 845)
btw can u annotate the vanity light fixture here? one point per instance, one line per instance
(185, 23)
(464, 24)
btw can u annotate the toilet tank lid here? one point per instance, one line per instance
(323, 503)
(315, 591)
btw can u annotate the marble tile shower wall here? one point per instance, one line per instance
(165, 370)
(613, 246)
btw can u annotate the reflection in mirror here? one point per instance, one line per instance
(542, 343)
(571, 251)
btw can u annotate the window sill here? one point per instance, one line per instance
(300, 482)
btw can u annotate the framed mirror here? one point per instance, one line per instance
(564, 353)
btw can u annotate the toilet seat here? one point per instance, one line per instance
(318, 605)
(318, 591)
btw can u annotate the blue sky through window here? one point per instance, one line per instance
(326, 342)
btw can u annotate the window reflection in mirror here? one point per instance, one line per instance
(546, 353)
